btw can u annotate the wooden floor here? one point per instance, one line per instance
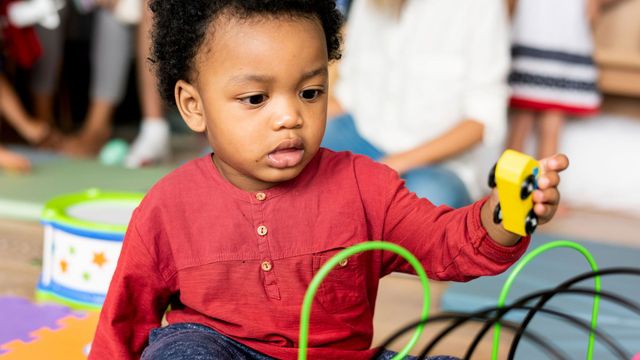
(399, 300)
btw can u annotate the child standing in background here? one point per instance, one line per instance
(553, 72)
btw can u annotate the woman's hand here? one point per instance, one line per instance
(400, 162)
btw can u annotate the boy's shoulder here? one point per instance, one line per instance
(188, 177)
(361, 166)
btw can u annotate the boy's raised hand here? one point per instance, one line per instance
(547, 197)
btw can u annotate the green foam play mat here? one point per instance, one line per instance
(22, 196)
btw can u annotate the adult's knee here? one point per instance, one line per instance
(338, 133)
(439, 185)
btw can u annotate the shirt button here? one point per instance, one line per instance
(261, 196)
(266, 265)
(343, 262)
(262, 230)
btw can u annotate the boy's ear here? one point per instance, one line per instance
(190, 106)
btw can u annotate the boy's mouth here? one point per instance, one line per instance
(288, 153)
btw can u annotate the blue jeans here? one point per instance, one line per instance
(436, 183)
(191, 341)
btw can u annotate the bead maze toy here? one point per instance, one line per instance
(344, 254)
(515, 175)
(493, 316)
(83, 235)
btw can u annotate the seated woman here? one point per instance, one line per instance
(422, 88)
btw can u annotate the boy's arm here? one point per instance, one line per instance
(460, 244)
(136, 301)
(545, 200)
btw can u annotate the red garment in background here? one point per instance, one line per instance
(20, 44)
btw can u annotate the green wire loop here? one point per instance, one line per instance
(329, 265)
(518, 268)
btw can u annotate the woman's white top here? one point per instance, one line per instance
(410, 79)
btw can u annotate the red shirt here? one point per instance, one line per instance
(240, 262)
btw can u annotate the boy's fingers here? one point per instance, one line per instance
(544, 212)
(558, 162)
(546, 196)
(548, 180)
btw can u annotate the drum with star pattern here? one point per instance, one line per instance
(83, 235)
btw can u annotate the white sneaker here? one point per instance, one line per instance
(151, 146)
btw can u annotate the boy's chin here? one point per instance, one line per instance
(280, 175)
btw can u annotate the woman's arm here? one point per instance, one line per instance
(484, 98)
(455, 141)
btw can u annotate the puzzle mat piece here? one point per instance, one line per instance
(67, 343)
(21, 316)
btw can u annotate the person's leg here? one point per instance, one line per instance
(152, 143)
(520, 125)
(11, 109)
(186, 341)
(45, 72)
(111, 56)
(341, 135)
(549, 128)
(439, 185)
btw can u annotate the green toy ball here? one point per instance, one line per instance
(114, 152)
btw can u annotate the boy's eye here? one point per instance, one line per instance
(254, 99)
(310, 94)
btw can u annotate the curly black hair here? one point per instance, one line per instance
(180, 26)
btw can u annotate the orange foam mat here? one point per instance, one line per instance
(69, 342)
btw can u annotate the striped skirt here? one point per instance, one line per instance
(552, 62)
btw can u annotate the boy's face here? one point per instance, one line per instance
(260, 94)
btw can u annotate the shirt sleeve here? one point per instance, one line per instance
(451, 244)
(136, 301)
(486, 91)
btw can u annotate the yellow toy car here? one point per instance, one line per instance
(515, 175)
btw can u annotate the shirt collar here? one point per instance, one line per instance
(250, 196)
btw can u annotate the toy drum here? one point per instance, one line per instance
(83, 235)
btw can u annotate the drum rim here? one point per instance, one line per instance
(55, 210)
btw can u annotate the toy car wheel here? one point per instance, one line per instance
(531, 223)
(528, 185)
(497, 214)
(492, 177)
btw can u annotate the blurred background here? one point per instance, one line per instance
(436, 89)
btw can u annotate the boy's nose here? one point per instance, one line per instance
(288, 121)
(288, 117)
